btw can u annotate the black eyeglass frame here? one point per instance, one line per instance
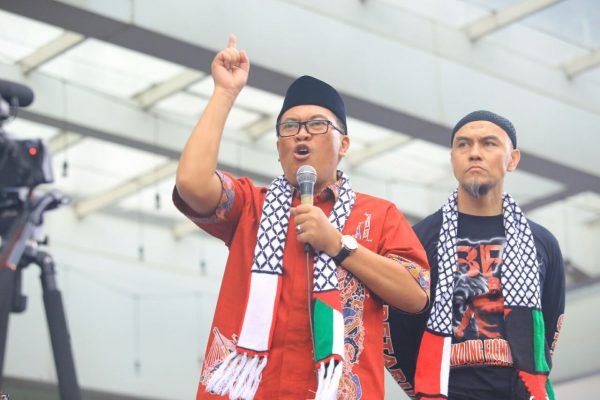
(305, 124)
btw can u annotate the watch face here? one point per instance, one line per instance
(349, 242)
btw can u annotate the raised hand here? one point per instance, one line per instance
(230, 68)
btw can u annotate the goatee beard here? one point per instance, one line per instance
(476, 189)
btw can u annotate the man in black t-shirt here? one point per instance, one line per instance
(497, 283)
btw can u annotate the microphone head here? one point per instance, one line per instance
(10, 91)
(306, 174)
(306, 177)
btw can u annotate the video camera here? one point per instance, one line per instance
(23, 163)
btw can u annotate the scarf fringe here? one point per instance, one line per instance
(238, 376)
(329, 380)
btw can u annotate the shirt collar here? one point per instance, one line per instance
(331, 192)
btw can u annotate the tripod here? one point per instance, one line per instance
(19, 249)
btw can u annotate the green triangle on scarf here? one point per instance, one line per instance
(550, 390)
(324, 330)
(539, 348)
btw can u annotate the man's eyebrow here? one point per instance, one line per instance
(314, 116)
(468, 139)
(492, 137)
(463, 138)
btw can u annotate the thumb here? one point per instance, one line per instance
(244, 60)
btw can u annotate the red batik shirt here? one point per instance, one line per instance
(377, 225)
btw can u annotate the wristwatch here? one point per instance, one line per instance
(349, 246)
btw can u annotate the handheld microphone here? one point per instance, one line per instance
(10, 91)
(306, 177)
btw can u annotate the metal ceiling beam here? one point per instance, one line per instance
(49, 51)
(183, 228)
(63, 140)
(155, 93)
(593, 222)
(581, 64)
(374, 149)
(258, 129)
(504, 17)
(544, 201)
(85, 207)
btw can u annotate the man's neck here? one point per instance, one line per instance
(320, 188)
(322, 185)
(487, 205)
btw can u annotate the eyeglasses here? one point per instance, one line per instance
(312, 126)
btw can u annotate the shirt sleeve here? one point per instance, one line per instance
(427, 231)
(223, 221)
(402, 331)
(553, 297)
(400, 244)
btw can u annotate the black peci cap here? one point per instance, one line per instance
(483, 115)
(308, 90)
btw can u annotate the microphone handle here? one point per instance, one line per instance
(307, 198)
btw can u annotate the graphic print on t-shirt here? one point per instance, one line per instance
(478, 305)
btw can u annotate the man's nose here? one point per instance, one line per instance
(303, 134)
(475, 152)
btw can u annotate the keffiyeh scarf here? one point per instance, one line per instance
(524, 322)
(239, 374)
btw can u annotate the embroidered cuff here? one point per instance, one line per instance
(225, 203)
(420, 274)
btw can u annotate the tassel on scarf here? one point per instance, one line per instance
(329, 380)
(238, 376)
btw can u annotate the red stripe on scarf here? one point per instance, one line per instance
(331, 298)
(429, 365)
(535, 384)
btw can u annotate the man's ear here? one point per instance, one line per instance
(344, 145)
(515, 157)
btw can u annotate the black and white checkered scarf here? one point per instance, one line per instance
(238, 376)
(524, 323)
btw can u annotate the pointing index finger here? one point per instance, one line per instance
(232, 40)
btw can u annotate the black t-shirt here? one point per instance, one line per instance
(480, 359)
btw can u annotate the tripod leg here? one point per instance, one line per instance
(59, 333)
(6, 290)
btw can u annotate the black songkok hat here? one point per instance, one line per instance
(308, 90)
(483, 115)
